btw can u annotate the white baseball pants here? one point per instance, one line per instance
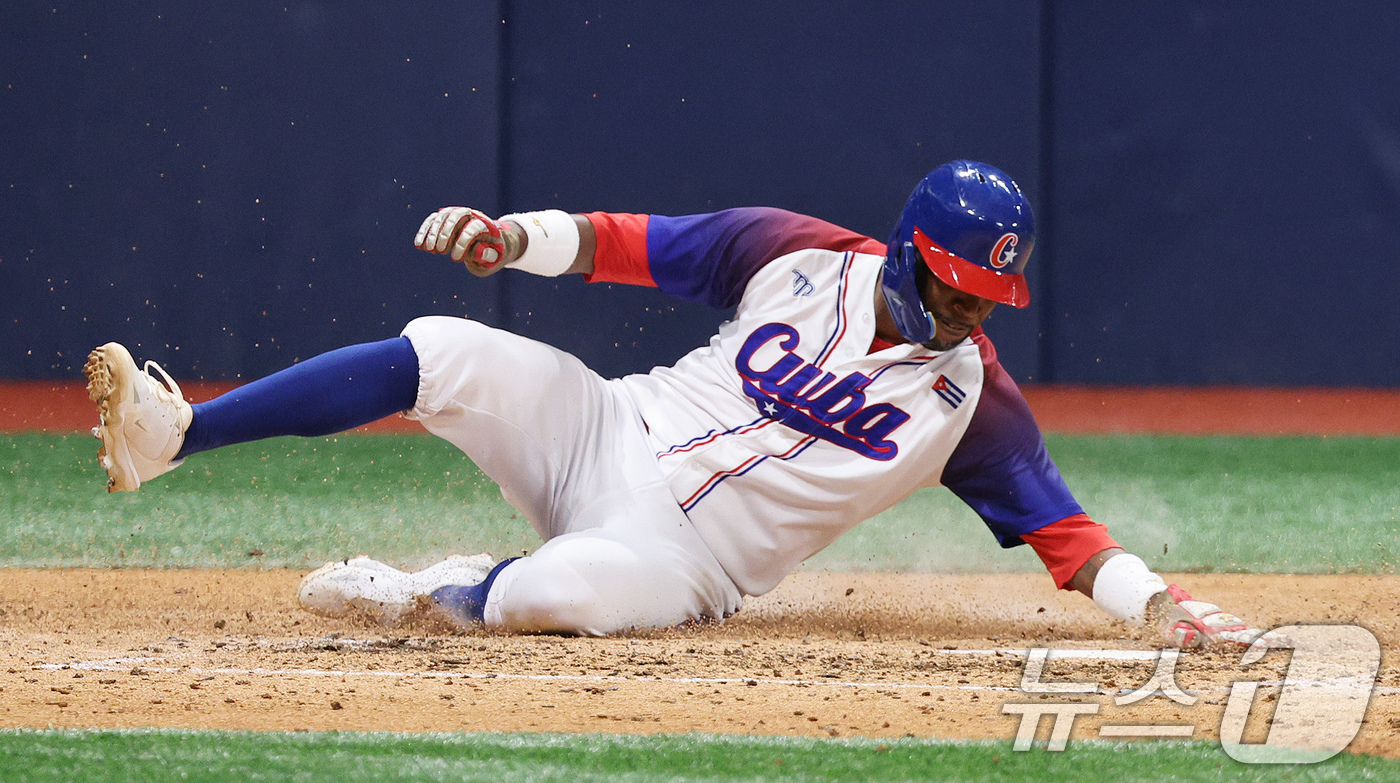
(569, 450)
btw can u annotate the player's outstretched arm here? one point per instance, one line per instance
(1121, 584)
(562, 243)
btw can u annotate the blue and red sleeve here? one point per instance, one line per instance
(1002, 470)
(708, 258)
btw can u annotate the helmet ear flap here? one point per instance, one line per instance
(902, 286)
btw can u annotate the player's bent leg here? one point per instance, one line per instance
(568, 449)
(530, 416)
(597, 582)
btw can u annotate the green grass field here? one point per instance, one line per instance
(112, 756)
(1301, 505)
(1208, 504)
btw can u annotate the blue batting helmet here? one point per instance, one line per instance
(970, 225)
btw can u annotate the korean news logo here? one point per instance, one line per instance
(1319, 709)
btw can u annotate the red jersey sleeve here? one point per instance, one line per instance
(1065, 546)
(621, 255)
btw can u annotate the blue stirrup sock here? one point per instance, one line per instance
(466, 603)
(326, 394)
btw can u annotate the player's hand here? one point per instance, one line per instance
(466, 235)
(1194, 625)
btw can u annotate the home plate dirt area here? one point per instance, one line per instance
(874, 655)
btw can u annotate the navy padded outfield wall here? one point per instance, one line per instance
(1226, 193)
(767, 104)
(230, 187)
(233, 187)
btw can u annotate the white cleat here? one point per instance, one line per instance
(143, 422)
(360, 585)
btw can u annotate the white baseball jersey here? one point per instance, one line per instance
(787, 429)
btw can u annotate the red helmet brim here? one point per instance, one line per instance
(966, 276)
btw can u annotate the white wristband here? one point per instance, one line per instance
(553, 242)
(1123, 586)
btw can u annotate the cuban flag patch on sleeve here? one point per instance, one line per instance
(949, 391)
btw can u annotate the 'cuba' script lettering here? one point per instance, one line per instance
(802, 396)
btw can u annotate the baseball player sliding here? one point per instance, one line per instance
(852, 373)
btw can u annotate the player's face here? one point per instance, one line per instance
(956, 312)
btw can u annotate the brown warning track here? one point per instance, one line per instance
(62, 406)
(1217, 410)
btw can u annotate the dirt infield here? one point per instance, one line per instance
(823, 655)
